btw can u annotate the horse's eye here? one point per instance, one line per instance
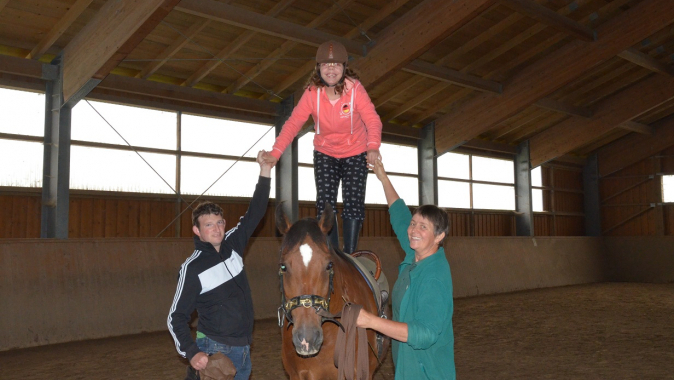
(282, 267)
(329, 266)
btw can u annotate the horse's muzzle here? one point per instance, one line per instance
(307, 340)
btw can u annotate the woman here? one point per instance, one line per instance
(347, 139)
(421, 329)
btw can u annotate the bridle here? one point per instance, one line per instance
(320, 305)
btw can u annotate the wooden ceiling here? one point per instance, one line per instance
(569, 76)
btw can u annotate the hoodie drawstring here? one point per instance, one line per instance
(318, 111)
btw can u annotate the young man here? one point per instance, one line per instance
(213, 281)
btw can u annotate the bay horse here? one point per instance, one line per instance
(316, 280)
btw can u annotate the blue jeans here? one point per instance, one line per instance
(240, 355)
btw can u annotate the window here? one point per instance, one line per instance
(668, 188)
(227, 175)
(468, 181)
(140, 127)
(101, 160)
(537, 189)
(22, 112)
(400, 163)
(202, 134)
(20, 163)
(122, 171)
(21, 156)
(224, 177)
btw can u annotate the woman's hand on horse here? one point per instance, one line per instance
(199, 361)
(372, 156)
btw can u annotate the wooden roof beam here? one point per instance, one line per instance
(549, 17)
(242, 18)
(550, 73)
(609, 113)
(303, 71)
(397, 90)
(27, 68)
(110, 35)
(415, 32)
(172, 49)
(3, 3)
(187, 94)
(272, 57)
(231, 47)
(399, 130)
(560, 107)
(141, 33)
(143, 100)
(635, 147)
(633, 126)
(646, 61)
(418, 98)
(448, 75)
(63, 23)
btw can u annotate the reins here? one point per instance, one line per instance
(345, 356)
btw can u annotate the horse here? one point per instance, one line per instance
(317, 280)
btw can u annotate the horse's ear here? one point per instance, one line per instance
(282, 222)
(327, 219)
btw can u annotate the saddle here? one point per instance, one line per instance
(370, 269)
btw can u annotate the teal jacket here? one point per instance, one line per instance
(426, 307)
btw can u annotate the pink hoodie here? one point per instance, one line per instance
(348, 128)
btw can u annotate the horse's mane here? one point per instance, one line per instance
(300, 229)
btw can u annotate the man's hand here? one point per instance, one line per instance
(268, 158)
(265, 163)
(372, 156)
(199, 361)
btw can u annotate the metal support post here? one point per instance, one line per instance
(56, 160)
(523, 204)
(428, 166)
(591, 200)
(287, 168)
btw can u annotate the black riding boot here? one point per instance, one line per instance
(351, 230)
(333, 236)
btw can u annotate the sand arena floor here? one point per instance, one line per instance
(599, 331)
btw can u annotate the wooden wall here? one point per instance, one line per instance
(632, 199)
(125, 215)
(125, 286)
(562, 202)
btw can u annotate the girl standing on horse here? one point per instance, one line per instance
(347, 139)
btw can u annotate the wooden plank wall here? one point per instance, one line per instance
(115, 215)
(631, 199)
(563, 202)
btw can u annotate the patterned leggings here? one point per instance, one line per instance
(352, 171)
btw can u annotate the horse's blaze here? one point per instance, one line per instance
(306, 252)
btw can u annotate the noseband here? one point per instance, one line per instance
(321, 305)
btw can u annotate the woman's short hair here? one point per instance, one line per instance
(205, 208)
(437, 216)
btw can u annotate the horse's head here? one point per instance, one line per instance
(306, 277)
